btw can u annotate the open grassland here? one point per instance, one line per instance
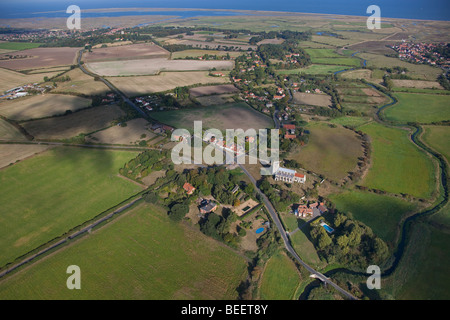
(342, 61)
(418, 84)
(352, 122)
(312, 99)
(322, 53)
(357, 74)
(55, 191)
(10, 153)
(210, 90)
(280, 278)
(84, 121)
(305, 248)
(229, 116)
(81, 83)
(314, 69)
(398, 166)
(42, 58)
(10, 79)
(332, 152)
(18, 45)
(438, 137)
(126, 52)
(416, 71)
(421, 108)
(154, 66)
(423, 271)
(215, 100)
(134, 86)
(35, 107)
(136, 130)
(142, 255)
(9, 132)
(381, 213)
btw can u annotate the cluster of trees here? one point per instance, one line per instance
(218, 227)
(279, 51)
(352, 243)
(58, 79)
(145, 163)
(444, 81)
(280, 199)
(286, 34)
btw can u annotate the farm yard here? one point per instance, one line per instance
(42, 58)
(35, 107)
(126, 52)
(136, 130)
(154, 66)
(69, 126)
(143, 242)
(10, 79)
(228, 116)
(135, 86)
(47, 183)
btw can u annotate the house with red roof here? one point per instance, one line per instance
(189, 188)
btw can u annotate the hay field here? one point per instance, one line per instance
(10, 79)
(210, 90)
(35, 107)
(9, 132)
(134, 86)
(42, 58)
(154, 66)
(10, 153)
(81, 83)
(85, 121)
(126, 52)
(131, 134)
(312, 99)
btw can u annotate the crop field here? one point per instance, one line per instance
(312, 99)
(229, 116)
(322, 53)
(10, 79)
(136, 130)
(215, 100)
(82, 122)
(137, 257)
(381, 213)
(421, 108)
(18, 45)
(9, 132)
(54, 191)
(210, 90)
(42, 58)
(395, 163)
(342, 61)
(332, 152)
(314, 69)
(416, 71)
(135, 86)
(357, 74)
(126, 52)
(10, 153)
(81, 83)
(438, 137)
(418, 84)
(280, 279)
(154, 66)
(35, 107)
(361, 95)
(200, 53)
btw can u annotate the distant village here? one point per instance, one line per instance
(426, 53)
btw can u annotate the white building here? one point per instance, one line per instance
(286, 175)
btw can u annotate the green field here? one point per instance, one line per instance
(18, 45)
(398, 166)
(351, 122)
(438, 137)
(142, 255)
(280, 279)
(47, 195)
(332, 152)
(421, 108)
(381, 213)
(305, 248)
(228, 116)
(322, 53)
(315, 69)
(352, 62)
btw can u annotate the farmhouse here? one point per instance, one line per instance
(302, 211)
(290, 131)
(189, 188)
(286, 175)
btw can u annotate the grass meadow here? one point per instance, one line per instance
(141, 255)
(45, 196)
(398, 166)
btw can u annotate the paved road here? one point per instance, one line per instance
(287, 243)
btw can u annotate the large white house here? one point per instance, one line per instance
(286, 175)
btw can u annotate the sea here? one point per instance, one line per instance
(407, 9)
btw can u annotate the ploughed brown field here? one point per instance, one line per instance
(41, 58)
(126, 52)
(210, 90)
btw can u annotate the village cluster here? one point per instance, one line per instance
(426, 53)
